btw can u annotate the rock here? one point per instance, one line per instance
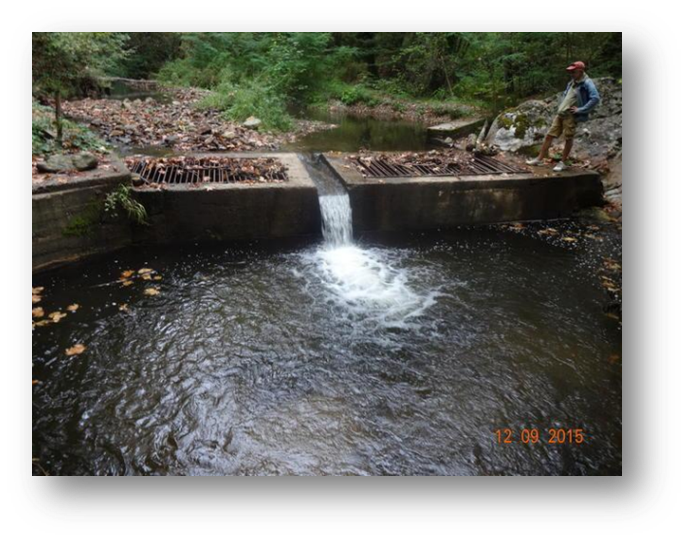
(171, 140)
(521, 126)
(229, 134)
(84, 161)
(471, 142)
(526, 125)
(130, 128)
(252, 122)
(57, 163)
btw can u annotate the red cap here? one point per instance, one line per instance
(576, 66)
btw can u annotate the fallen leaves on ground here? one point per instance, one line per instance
(178, 123)
(76, 349)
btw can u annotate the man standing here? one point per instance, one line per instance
(579, 98)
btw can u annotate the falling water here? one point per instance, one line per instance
(361, 280)
(337, 220)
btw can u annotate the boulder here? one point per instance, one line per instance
(83, 161)
(252, 122)
(171, 140)
(521, 127)
(57, 163)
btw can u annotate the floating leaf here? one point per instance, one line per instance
(37, 290)
(35, 299)
(146, 276)
(569, 239)
(127, 283)
(157, 277)
(152, 291)
(34, 381)
(56, 316)
(42, 323)
(145, 271)
(72, 307)
(124, 307)
(127, 273)
(76, 349)
(548, 231)
(37, 312)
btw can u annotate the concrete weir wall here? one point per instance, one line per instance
(233, 211)
(67, 219)
(403, 204)
(69, 222)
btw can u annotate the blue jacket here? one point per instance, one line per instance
(587, 98)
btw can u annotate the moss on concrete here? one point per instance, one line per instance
(85, 223)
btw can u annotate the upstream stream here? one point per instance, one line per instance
(382, 354)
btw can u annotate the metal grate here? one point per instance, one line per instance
(191, 170)
(381, 167)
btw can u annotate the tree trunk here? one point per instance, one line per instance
(58, 118)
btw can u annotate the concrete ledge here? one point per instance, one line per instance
(457, 128)
(398, 204)
(68, 222)
(233, 211)
(112, 177)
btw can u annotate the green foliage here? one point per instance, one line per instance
(76, 137)
(353, 94)
(253, 98)
(64, 62)
(120, 199)
(147, 52)
(257, 74)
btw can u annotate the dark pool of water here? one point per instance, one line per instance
(401, 355)
(354, 133)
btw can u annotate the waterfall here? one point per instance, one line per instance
(337, 221)
(364, 281)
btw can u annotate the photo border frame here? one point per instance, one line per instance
(647, 332)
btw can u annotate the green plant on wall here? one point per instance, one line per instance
(120, 199)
